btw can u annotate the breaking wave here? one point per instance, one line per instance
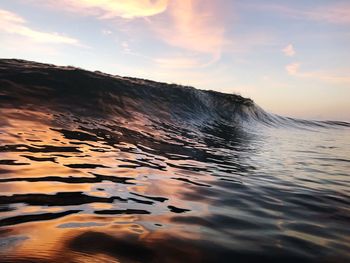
(27, 84)
(103, 168)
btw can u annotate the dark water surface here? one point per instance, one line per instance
(95, 168)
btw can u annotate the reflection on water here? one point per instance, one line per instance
(105, 194)
(78, 188)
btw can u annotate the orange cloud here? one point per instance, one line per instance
(13, 24)
(107, 9)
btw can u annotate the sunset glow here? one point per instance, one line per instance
(279, 53)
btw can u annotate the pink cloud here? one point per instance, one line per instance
(293, 68)
(289, 50)
(191, 25)
(337, 13)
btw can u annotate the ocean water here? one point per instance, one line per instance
(99, 168)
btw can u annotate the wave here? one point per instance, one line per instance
(124, 169)
(26, 84)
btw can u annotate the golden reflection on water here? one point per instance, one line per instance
(73, 238)
(41, 187)
(98, 192)
(43, 156)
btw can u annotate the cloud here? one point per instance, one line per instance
(125, 47)
(106, 32)
(338, 13)
(289, 50)
(191, 25)
(11, 23)
(325, 76)
(247, 42)
(108, 9)
(293, 68)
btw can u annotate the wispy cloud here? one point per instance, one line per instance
(248, 42)
(192, 25)
(325, 76)
(335, 13)
(321, 75)
(125, 47)
(12, 23)
(289, 50)
(108, 9)
(293, 68)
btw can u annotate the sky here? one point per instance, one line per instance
(291, 57)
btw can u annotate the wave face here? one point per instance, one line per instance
(102, 168)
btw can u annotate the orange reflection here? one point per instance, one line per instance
(94, 239)
(56, 177)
